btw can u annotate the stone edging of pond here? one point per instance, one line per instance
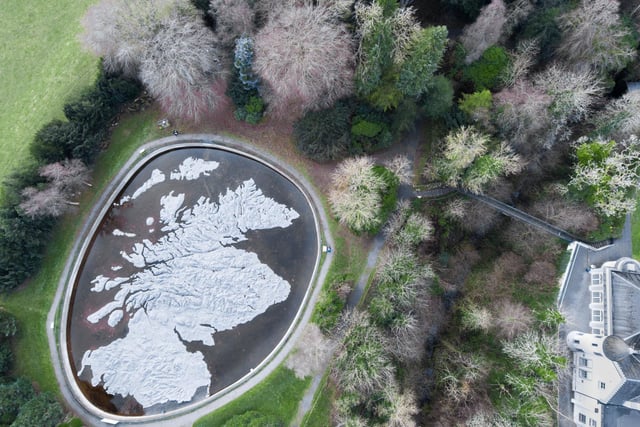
(57, 318)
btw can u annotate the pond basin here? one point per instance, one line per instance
(194, 275)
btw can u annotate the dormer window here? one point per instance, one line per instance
(603, 385)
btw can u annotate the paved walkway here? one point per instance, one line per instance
(189, 416)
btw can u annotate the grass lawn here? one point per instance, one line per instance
(31, 303)
(635, 232)
(277, 396)
(320, 413)
(41, 64)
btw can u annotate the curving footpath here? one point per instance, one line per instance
(193, 412)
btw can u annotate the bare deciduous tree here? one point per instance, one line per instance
(402, 167)
(233, 18)
(512, 319)
(475, 317)
(65, 180)
(573, 94)
(165, 43)
(355, 195)
(621, 117)
(361, 364)
(594, 37)
(305, 57)
(311, 353)
(49, 201)
(485, 31)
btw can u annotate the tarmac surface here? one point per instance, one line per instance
(574, 299)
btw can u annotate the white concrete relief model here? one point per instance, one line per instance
(188, 284)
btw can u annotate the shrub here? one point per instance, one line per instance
(328, 310)
(470, 8)
(6, 357)
(253, 419)
(370, 130)
(542, 25)
(438, 99)
(361, 365)
(325, 134)
(12, 396)
(487, 72)
(43, 410)
(477, 106)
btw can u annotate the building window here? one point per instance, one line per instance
(593, 423)
(602, 385)
(597, 354)
(582, 418)
(584, 362)
(594, 344)
(584, 374)
(576, 341)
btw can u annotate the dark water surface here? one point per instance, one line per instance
(290, 252)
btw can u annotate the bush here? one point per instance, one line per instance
(6, 357)
(43, 411)
(325, 134)
(438, 100)
(475, 103)
(487, 72)
(249, 105)
(12, 397)
(389, 196)
(470, 8)
(253, 419)
(542, 26)
(370, 130)
(328, 310)
(55, 141)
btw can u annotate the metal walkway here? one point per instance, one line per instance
(512, 212)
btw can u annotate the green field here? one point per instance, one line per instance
(31, 303)
(41, 64)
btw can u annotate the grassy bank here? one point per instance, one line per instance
(277, 396)
(41, 64)
(31, 302)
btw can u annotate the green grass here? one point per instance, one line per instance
(635, 232)
(41, 64)
(320, 413)
(31, 302)
(277, 396)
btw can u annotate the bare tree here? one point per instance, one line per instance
(49, 201)
(69, 175)
(402, 167)
(165, 43)
(523, 115)
(521, 62)
(181, 64)
(573, 94)
(233, 18)
(621, 117)
(594, 37)
(512, 319)
(305, 57)
(65, 180)
(311, 353)
(485, 31)
(362, 364)
(475, 317)
(355, 196)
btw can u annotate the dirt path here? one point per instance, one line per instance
(408, 147)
